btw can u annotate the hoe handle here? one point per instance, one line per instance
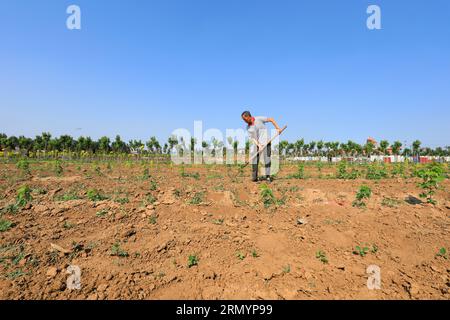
(265, 146)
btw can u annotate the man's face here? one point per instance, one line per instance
(247, 119)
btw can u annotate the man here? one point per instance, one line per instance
(258, 134)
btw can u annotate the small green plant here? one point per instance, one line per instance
(192, 261)
(23, 196)
(68, 196)
(152, 219)
(146, 174)
(442, 253)
(116, 250)
(150, 199)
(322, 257)
(376, 172)
(431, 176)
(153, 185)
(300, 171)
(286, 268)
(15, 274)
(67, 225)
(240, 255)
(194, 175)
(218, 221)
(95, 195)
(267, 195)
(255, 254)
(374, 248)
(364, 193)
(342, 170)
(197, 198)
(5, 225)
(11, 208)
(177, 193)
(361, 251)
(24, 166)
(122, 200)
(101, 213)
(57, 167)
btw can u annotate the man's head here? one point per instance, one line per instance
(247, 117)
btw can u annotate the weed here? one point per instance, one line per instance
(362, 251)
(192, 261)
(122, 200)
(364, 193)
(197, 198)
(218, 221)
(116, 250)
(255, 254)
(152, 219)
(376, 172)
(67, 225)
(240, 255)
(101, 213)
(442, 253)
(5, 225)
(321, 256)
(286, 269)
(267, 195)
(57, 167)
(94, 195)
(24, 166)
(23, 196)
(153, 185)
(431, 176)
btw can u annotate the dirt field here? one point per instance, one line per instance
(137, 243)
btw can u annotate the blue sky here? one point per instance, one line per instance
(144, 68)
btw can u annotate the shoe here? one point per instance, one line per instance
(268, 179)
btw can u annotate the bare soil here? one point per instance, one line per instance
(136, 243)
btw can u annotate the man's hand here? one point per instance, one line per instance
(275, 124)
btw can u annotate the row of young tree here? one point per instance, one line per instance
(45, 143)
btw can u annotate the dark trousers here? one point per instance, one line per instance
(267, 154)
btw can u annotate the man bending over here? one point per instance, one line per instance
(258, 134)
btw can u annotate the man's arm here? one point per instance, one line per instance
(275, 124)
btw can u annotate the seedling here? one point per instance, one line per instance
(57, 166)
(5, 225)
(152, 219)
(68, 225)
(364, 193)
(24, 165)
(153, 185)
(116, 250)
(240, 255)
(361, 251)
(431, 176)
(94, 195)
(322, 257)
(218, 221)
(101, 213)
(23, 196)
(286, 269)
(197, 198)
(267, 196)
(192, 261)
(442, 253)
(255, 254)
